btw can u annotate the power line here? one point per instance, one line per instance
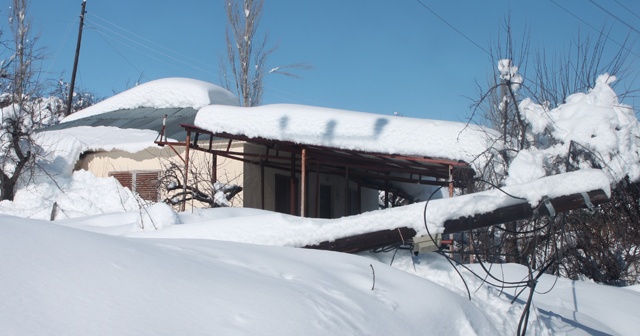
(148, 53)
(61, 44)
(614, 16)
(150, 41)
(159, 55)
(454, 28)
(104, 37)
(107, 30)
(594, 28)
(151, 49)
(628, 10)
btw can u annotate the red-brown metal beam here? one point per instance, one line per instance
(303, 181)
(260, 140)
(293, 195)
(186, 171)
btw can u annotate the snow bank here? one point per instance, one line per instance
(595, 308)
(157, 216)
(560, 306)
(162, 93)
(348, 130)
(77, 195)
(58, 280)
(62, 281)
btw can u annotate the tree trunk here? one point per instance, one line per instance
(7, 188)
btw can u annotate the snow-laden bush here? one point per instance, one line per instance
(157, 216)
(591, 129)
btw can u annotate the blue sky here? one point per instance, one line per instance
(367, 55)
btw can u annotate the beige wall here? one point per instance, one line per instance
(155, 158)
(232, 171)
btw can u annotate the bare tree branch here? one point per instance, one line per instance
(247, 54)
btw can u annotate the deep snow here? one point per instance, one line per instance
(73, 282)
(63, 280)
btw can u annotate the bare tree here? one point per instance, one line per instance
(22, 110)
(200, 188)
(559, 75)
(247, 53)
(60, 96)
(600, 244)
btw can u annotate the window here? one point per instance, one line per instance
(144, 183)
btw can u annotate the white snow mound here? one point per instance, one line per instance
(162, 93)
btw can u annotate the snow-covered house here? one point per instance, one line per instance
(323, 162)
(296, 159)
(116, 137)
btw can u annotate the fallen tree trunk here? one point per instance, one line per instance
(372, 240)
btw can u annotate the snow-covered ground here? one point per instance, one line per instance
(88, 276)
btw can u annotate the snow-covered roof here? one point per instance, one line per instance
(64, 146)
(218, 112)
(348, 130)
(142, 118)
(162, 93)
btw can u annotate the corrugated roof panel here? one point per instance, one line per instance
(139, 118)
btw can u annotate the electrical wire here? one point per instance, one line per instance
(614, 16)
(104, 37)
(153, 51)
(61, 45)
(426, 226)
(453, 27)
(530, 283)
(498, 188)
(628, 10)
(594, 28)
(145, 46)
(158, 45)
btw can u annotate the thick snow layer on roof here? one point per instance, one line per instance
(348, 130)
(65, 146)
(162, 93)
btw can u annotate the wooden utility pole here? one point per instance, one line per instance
(371, 240)
(75, 61)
